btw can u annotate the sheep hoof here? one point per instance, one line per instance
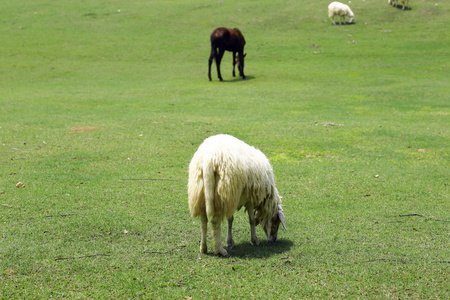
(222, 252)
(255, 242)
(203, 248)
(230, 244)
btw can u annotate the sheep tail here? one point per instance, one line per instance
(209, 186)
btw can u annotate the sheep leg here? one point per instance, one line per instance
(203, 247)
(216, 232)
(251, 220)
(230, 242)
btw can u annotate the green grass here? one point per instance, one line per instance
(93, 101)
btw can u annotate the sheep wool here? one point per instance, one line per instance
(341, 10)
(225, 174)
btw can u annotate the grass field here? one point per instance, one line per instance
(103, 104)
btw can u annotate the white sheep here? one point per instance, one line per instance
(341, 10)
(394, 3)
(225, 174)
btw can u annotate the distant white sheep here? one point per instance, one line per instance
(226, 174)
(341, 10)
(394, 3)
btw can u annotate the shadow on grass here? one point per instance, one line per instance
(345, 23)
(264, 250)
(238, 79)
(401, 7)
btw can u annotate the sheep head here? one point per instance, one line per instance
(271, 228)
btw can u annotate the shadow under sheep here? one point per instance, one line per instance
(265, 249)
(401, 7)
(345, 23)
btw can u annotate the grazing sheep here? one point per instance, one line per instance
(394, 3)
(226, 174)
(341, 10)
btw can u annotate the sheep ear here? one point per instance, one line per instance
(282, 218)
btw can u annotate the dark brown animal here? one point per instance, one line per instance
(227, 39)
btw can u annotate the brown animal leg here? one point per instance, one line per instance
(218, 60)
(234, 63)
(241, 64)
(210, 60)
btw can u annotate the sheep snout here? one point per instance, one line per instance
(272, 239)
